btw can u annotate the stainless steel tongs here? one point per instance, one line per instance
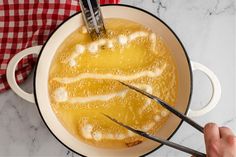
(93, 18)
(163, 141)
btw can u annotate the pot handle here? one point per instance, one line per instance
(216, 90)
(11, 68)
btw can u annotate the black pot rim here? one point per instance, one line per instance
(128, 6)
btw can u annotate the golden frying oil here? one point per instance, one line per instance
(134, 57)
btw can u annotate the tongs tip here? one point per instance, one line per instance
(123, 125)
(137, 90)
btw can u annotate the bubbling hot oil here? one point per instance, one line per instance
(82, 83)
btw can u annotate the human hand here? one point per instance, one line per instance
(219, 141)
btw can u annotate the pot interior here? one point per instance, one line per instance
(112, 11)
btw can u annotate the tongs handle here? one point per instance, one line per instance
(93, 19)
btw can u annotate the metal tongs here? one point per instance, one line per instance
(93, 18)
(159, 140)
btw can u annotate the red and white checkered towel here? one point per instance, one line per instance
(26, 23)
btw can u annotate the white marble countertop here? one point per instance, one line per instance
(207, 30)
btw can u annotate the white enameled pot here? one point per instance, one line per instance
(46, 53)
